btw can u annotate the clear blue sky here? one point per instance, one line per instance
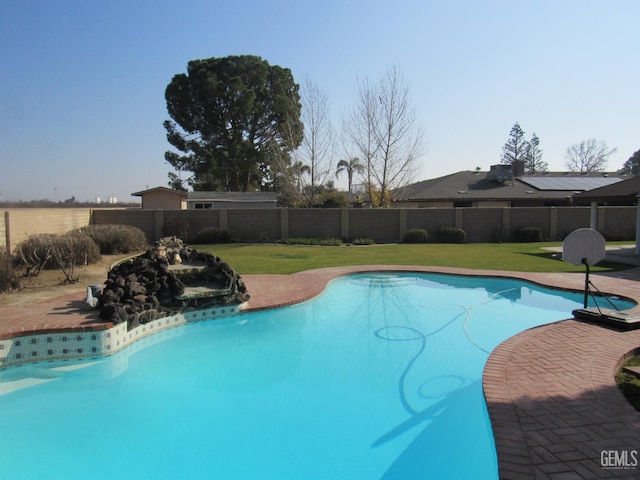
(82, 82)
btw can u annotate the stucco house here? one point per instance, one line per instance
(626, 192)
(502, 186)
(162, 198)
(221, 200)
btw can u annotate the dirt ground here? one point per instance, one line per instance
(50, 283)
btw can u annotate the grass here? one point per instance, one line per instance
(286, 259)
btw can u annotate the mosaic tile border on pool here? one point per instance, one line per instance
(44, 347)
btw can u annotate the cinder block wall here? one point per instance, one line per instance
(383, 226)
(271, 225)
(149, 221)
(19, 223)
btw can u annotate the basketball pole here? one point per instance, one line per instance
(586, 283)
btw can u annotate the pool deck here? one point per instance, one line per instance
(554, 406)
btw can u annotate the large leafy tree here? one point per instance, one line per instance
(230, 117)
(632, 166)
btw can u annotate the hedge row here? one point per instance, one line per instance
(442, 235)
(66, 251)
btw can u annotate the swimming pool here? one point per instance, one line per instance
(379, 377)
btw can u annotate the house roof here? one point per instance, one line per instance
(627, 189)
(159, 189)
(474, 185)
(232, 196)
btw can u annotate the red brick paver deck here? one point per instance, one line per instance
(554, 406)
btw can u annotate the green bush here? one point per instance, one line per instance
(363, 241)
(9, 278)
(416, 235)
(324, 241)
(528, 234)
(618, 235)
(451, 235)
(334, 200)
(114, 239)
(211, 235)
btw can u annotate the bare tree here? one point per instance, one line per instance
(360, 127)
(317, 148)
(383, 129)
(588, 156)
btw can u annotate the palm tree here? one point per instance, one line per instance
(299, 170)
(352, 166)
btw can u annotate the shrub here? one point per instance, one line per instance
(113, 239)
(618, 235)
(211, 235)
(334, 200)
(36, 253)
(363, 241)
(330, 241)
(451, 235)
(71, 249)
(56, 251)
(416, 235)
(9, 278)
(528, 234)
(324, 241)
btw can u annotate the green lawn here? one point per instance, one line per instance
(522, 257)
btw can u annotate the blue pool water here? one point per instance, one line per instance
(379, 377)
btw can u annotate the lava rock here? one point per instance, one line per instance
(145, 288)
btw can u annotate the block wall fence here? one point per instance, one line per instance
(270, 225)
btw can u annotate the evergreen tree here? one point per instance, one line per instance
(533, 156)
(231, 117)
(516, 146)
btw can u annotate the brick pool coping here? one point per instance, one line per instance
(550, 391)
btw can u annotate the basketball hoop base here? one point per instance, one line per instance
(611, 318)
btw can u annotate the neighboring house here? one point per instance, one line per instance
(502, 186)
(626, 192)
(162, 198)
(221, 200)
